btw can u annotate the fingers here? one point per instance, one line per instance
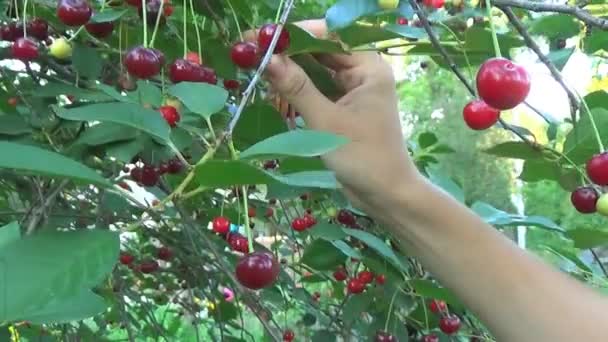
(292, 83)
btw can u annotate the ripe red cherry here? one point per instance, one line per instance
(167, 10)
(346, 218)
(597, 168)
(269, 212)
(366, 277)
(143, 62)
(309, 220)
(10, 32)
(270, 164)
(383, 336)
(38, 28)
(299, 224)
(430, 338)
(257, 270)
(238, 243)
(175, 166)
(584, 199)
(170, 114)
(221, 225)
(355, 286)
(265, 38)
(149, 176)
(136, 174)
(152, 8)
(24, 49)
(193, 57)
(244, 55)
(437, 306)
(126, 258)
(288, 335)
(380, 279)
(434, 3)
(502, 84)
(478, 115)
(449, 324)
(182, 70)
(74, 12)
(402, 21)
(100, 30)
(134, 3)
(340, 274)
(231, 84)
(164, 253)
(148, 266)
(12, 101)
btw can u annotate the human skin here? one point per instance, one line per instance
(515, 294)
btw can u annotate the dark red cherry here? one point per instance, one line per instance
(288, 335)
(24, 49)
(355, 286)
(231, 84)
(502, 84)
(430, 338)
(143, 62)
(298, 224)
(207, 75)
(245, 55)
(100, 30)
(597, 168)
(148, 266)
(402, 21)
(10, 32)
(449, 324)
(271, 164)
(380, 279)
(175, 166)
(257, 270)
(309, 220)
(478, 115)
(265, 38)
(126, 258)
(149, 176)
(584, 199)
(74, 12)
(164, 253)
(383, 336)
(170, 114)
(346, 218)
(152, 8)
(437, 306)
(182, 70)
(238, 243)
(38, 28)
(340, 274)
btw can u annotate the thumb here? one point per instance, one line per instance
(292, 83)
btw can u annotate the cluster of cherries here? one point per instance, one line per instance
(449, 324)
(149, 175)
(148, 265)
(587, 199)
(300, 224)
(358, 284)
(494, 76)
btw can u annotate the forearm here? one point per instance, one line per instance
(516, 295)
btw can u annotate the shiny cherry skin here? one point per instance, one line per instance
(449, 324)
(366, 277)
(238, 243)
(597, 168)
(182, 70)
(231, 84)
(24, 49)
(430, 338)
(257, 270)
(175, 166)
(193, 57)
(309, 220)
(340, 274)
(298, 224)
(346, 218)
(148, 266)
(221, 225)
(437, 306)
(502, 84)
(164, 253)
(584, 199)
(479, 116)
(152, 8)
(288, 335)
(74, 12)
(355, 286)
(168, 10)
(170, 114)
(143, 62)
(10, 32)
(126, 258)
(38, 28)
(269, 212)
(100, 30)
(149, 176)
(245, 55)
(383, 336)
(434, 3)
(265, 38)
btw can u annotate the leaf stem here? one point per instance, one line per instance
(493, 29)
(277, 16)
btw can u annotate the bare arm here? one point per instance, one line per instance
(517, 296)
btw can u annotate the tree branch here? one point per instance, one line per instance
(578, 12)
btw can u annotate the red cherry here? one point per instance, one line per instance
(380, 279)
(152, 8)
(221, 225)
(269, 212)
(134, 3)
(502, 84)
(597, 168)
(148, 266)
(100, 30)
(309, 220)
(149, 176)
(231, 84)
(265, 38)
(478, 115)
(257, 270)
(251, 212)
(193, 57)
(12, 101)
(383, 336)
(437, 306)
(346, 218)
(449, 324)
(430, 338)
(143, 62)
(584, 199)
(167, 10)
(340, 274)
(10, 32)
(288, 335)
(38, 28)
(175, 166)
(126, 258)
(182, 70)
(355, 286)
(366, 277)
(298, 224)
(136, 174)
(434, 3)
(244, 55)
(402, 21)
(270, 164)
(164, 253)
(24, 49)
(170, 114)
(74, 12)
(238, 243)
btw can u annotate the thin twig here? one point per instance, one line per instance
(599, 262)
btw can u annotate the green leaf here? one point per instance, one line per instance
(216, 55)
(346, 249)
(356, 35)
(87, 61)
(596, 41)
(407, 31)
(345, 12)
(376, 244)
(429, 289)
(556, 26)
(73, 308)
(125, 151)
(355, 305)
(201, 98)
(560, 57)
(39, 161)
(570, 256)
(310, 179)
(324, 336)
(49, 267)
(54, 89)
(581, 143)
(327, 231)
(13, 125)
(9, 233)
(479, 40)
(297, 164)
(587, 238)
(104, 133)
(303, 41)
(108, 15)
(148, 94)
(300, 143)
(498, 217)
(541, 169)
(113, 93)
(130, 114)
(516, 150)
(427, 139)
(322, 255)
(258, 122)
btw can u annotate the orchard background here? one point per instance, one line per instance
(154, 188)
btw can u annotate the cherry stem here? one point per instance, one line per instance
(16, 3)
(246, 216)
(185, 17)
(236, 20)
(25, 18)
(196, 29)
(390, 310)
(461, 45)
(494, 37)
(157, 23)
(276, 18)
(145, 20)
(76, 34)
(592, 120)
